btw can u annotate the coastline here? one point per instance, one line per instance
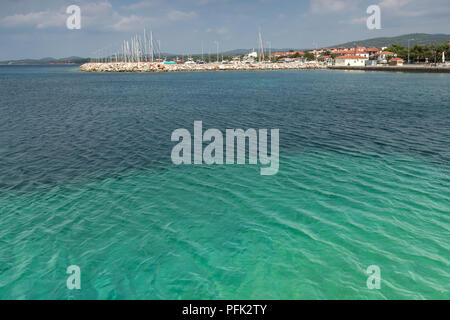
(411, 69)
(149, 67)
(116, 67)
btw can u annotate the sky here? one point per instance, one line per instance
(37, 29)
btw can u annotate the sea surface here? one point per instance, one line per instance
(86, 179)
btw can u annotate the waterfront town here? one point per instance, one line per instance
(142, 56)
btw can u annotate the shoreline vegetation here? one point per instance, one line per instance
(151, 67)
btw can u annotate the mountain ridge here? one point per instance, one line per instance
(419, 38)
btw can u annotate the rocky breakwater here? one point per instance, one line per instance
(161, 67)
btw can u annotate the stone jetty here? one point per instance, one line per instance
(408, 68)
(161, 67)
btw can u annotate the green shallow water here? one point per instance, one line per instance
(229, 233)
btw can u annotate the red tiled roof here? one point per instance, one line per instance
(295, 52)
(343, 52)
(288, 53)
(351, 57)
(386, 53)
(348, 52)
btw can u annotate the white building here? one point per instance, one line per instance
(384, 56)
(253, 55)
(351, 61)
(363, 54)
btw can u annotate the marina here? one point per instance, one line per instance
(143, 54)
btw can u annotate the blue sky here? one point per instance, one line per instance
(36, 29)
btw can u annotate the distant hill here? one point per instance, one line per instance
(47, 60)
(419, 38)
(245, 51)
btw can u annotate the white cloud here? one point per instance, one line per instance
(329, 6)
(393, 4)
(177, 15)
(357, 20)
(130, 23)
(415, 8)
(38, 20)
(222, 31)
(139, 5)
(97, 16)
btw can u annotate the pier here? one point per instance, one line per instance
(409, 68)
(161, 67)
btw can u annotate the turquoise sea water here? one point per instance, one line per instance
(86, 179)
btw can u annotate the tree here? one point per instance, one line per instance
(445, 47)
(429, 53)
(310, 56)
(400, 51)
(418, 53)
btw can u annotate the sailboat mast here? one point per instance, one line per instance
(261, 42)
(145, 45)
(152, 49)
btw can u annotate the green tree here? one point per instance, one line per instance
(418, 53)
(310, 56)
(445, 47)
(429, 53)
(400, 51)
